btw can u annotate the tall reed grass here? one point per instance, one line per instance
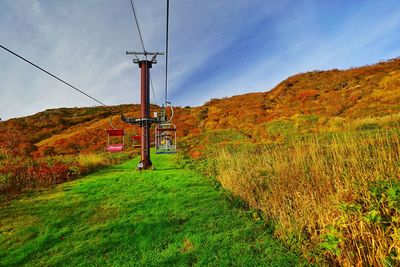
(335, 196)
(90, 162)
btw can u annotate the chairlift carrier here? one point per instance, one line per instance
(115, 147)
(165, 142)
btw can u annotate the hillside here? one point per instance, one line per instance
(71, 130)
(355, 93)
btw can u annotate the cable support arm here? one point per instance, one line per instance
(140, 121)
(145, 53)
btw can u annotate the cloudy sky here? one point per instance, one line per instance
(218, 48)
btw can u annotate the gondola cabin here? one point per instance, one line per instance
(112, 135)
(165, 142)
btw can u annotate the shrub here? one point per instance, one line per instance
(4, 177)
(368, 126)
(203, 114)
(18, 174)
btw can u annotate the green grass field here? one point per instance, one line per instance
(120, 217)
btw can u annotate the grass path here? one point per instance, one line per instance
(117, 217)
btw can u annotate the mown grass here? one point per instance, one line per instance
(120, 217)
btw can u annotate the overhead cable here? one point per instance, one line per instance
(166, 56)
(52, 75)
(142, 42)
(152, 89)
(137, 24)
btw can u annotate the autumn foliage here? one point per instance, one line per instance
(354, 93)
(23, 174)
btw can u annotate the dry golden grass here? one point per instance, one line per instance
(336, 196)
(388, 121)
(92, 161)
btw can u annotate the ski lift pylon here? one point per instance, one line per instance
(165, 142)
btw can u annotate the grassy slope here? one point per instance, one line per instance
(170, 216)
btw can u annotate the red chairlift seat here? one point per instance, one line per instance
(116, 147)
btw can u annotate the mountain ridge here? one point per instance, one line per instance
(372, 90)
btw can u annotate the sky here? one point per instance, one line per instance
(217, 48)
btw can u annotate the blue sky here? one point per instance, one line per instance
(218, 48)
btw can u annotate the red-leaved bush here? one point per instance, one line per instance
(20, 174)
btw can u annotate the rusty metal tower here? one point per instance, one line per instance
(145, 65)
(144, 121)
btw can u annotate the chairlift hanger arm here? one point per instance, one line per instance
(136, 60)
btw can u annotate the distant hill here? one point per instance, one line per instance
(71, 130)
(354, 93)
